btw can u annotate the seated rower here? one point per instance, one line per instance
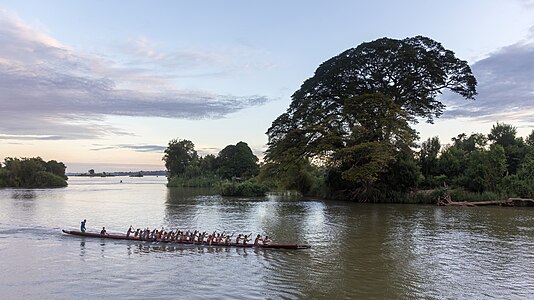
(228, 239)
(210, 239)
(266, 240)
(246, 239)
(103, 232)
(238, 238)
(220, 237)
(201, 237)
(257, 240)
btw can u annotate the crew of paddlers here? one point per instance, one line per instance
(195, 237)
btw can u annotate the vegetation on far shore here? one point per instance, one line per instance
(230, 171)
(32, 173)
(348, 135)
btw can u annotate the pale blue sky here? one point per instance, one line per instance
(106, 84)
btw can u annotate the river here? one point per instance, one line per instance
(359, 251)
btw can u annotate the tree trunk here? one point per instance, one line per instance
(444, 200)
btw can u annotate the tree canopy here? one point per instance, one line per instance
(186, 168)
(354, 113)
(504, 168)
(178, 155)
(237, 161)
(32, 173)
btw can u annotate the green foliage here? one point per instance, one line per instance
(452, 163)
(248, 188)
(32, 173)
(299, 175)
(186, 169)
(476, 141)
(459, 194)
(364, 162)
(515, 148)
(485, 169)
(197, 181)
(178, 155)
(56, 168)
(521, 184)
(403, 175)
(428, 157)
(352, 117)
(503, 170)
(5, 177)
(530, 139)
(503, 134)
(44, 179)
(237, 161)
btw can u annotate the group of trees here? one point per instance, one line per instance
(32, 173)
(186, 168)
(347, 130)
(499, 162)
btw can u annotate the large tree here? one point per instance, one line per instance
(394, 81)
(178, 156)
(237, 161)
(515, 148)
(32, 173)
(428, 157)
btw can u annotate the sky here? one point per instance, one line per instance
(105, 85)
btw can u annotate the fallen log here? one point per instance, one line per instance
(445, 201)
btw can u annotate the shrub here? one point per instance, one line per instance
(248, 188)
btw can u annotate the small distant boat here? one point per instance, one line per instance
(213, 244)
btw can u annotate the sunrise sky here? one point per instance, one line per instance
(107, 84)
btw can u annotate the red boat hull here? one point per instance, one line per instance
(123, 237)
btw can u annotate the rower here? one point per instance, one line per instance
(130, 230)
(201, 237)
(246, 239)
(257, 240)
(220, 238)
(266, 240)
(238, 238)
(82, 225)
(103, 232)
(228, 239)
(210, 239)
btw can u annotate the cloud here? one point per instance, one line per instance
(190, 63)
(50, 91)
(505, 87)
(135, 148)
(142, 51)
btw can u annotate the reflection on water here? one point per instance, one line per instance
(23, 194)
(358, 251)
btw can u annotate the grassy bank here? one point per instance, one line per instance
(457, 195)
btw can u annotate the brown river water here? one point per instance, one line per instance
(359, 251)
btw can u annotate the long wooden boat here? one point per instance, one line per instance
(213, 244)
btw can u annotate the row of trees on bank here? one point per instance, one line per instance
(32, 173)
(347, 133)
(186, 168)
(499, 162)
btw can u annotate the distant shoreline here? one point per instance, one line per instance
(113, 174)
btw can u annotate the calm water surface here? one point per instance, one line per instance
(358, 251)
